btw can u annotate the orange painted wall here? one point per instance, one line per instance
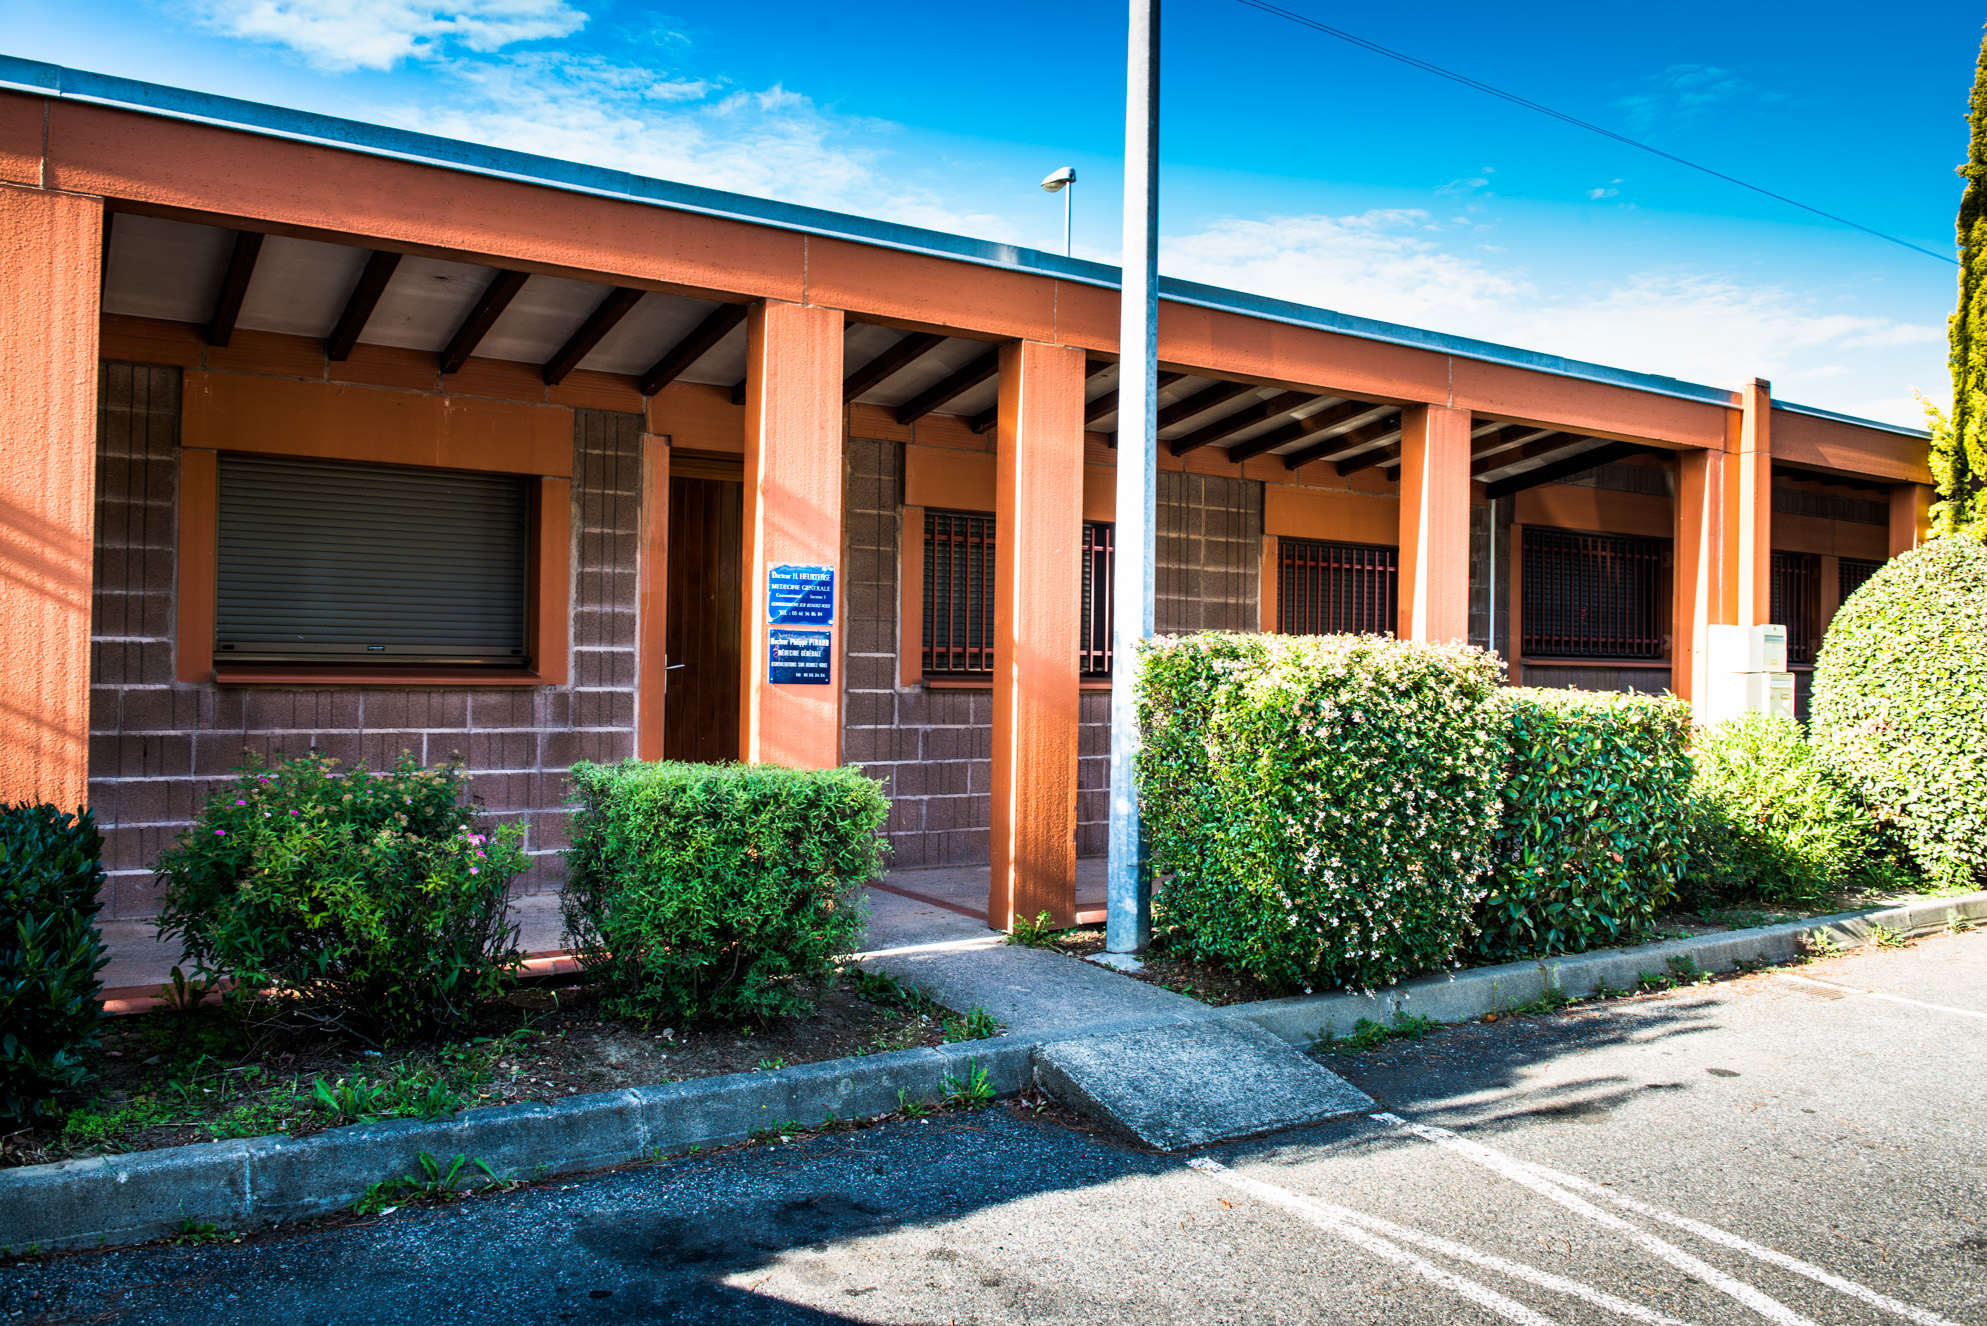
(1320, 513)
(1803, 439)
(50, 247)
(1572, 506)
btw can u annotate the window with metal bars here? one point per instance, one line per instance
(1593, 595)
(1850, 574)
(1335, 588)
(1796, 604)
(958, 594)
(1094, 646)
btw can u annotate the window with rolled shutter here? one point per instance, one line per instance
(320, 561)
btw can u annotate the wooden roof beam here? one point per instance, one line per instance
(1202, 401)
(1364, 435)
(359, 307)
(602, 320)
(955, 385)
(703, 338)
(496, 297)
(234, 286)
(1107, 404)
(900, 356)
(1246, 417)
(1329, 417)
(1545, 444)
(1564, 469)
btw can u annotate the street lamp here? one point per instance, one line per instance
(1058, 183)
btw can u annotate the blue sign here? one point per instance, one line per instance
(800, 595)
(798, 658)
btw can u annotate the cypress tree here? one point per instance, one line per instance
(1959, 442)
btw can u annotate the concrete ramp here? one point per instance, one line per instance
(1192, 1084)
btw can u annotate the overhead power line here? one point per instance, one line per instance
(1574, 120)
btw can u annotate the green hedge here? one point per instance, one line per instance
(718, 891)
(367, 902)
(1319, 808)
(1595, 825)
(1900, 703)
(50, 954)
(1773, 822)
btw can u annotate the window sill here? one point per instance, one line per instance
(1644, 664)
(978, 684)
(277, 675)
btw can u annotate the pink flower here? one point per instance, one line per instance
(241, 803)
(220, 833)
(474, 871)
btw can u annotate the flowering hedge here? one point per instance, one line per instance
(368, 902)
(1319, 808)
(1596, 822)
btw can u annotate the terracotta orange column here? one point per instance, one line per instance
(1749, 509)
(1910, 516)
(50, 254)
(652, 600)
(1697, 591)
(1435, 523)
(1038, 531)
(793, 517)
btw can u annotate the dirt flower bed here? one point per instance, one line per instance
(1213, 984)
(170, 1078)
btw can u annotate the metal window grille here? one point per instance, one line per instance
(1094, 646)
(1593, 595)
(1335, 588)
(1850, 575)
(1796, 604)
(958, 594)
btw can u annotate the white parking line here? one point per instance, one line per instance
(1328, 1216)
(1482, 1295)
(1515, 1170)
(1877, 994)
(1737, 1244)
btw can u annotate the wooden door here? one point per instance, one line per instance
(700, 697)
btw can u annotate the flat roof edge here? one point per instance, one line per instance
(1817, 412)
(41, 78)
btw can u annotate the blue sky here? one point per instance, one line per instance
(1293, 164)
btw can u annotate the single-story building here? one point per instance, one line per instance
(320, 434)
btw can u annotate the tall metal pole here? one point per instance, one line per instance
(1068, 197)
(1128, 903)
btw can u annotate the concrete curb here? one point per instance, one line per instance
(252, 1183)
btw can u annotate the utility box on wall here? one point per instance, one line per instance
(1748, 672)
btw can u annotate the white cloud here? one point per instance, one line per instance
(1690, 325)
(1685, 92)
(770, 143)
(342, 35)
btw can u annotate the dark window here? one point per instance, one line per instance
(1335, 588)
(1850, 575)
(322, 561)
(958, 594)
(1796, 604)
(1094, 647)
(1593, 595)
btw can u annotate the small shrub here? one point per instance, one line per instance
(1595, 821)
(1771, 821)
(1319, 808)
(1900, 703)
(366, 902)
(718, 891)
(50, 954)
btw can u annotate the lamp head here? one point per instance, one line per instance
(1061, 179)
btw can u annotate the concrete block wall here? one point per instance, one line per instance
(159, 747)
(933, 746)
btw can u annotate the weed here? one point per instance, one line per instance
(882, 988)
(183, 996)
(977, 1025)
(1368, 1034)
(1884, 936)
(975, 1093)
(769, 1065)
(1551, 1001)
(911, 1109)
(1655, 980)
(195, 1232)
(435, 1183)
(1957, 924)
(1687, 972)
(1818, 943)
(1602, 990)
(1751, 965)
(1032, 934)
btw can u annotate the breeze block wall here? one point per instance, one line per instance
(159, 747)
(933, 746)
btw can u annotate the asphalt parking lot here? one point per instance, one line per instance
(1793, 1149)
